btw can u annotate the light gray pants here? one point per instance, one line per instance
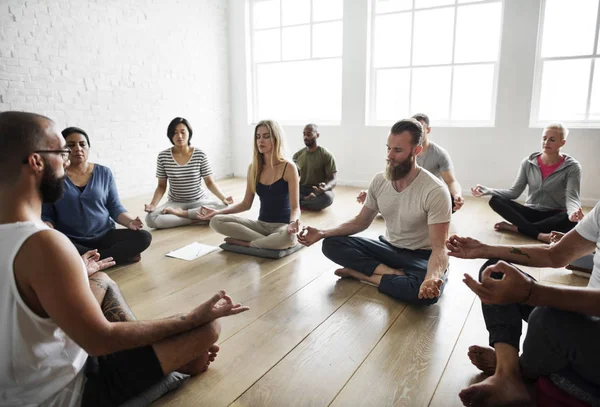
(158, 220)
(262, 235)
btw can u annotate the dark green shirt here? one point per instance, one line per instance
(315, 167)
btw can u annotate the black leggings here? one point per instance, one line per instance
(120, 244)
(531, 222)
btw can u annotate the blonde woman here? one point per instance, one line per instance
(553, 179)
(275, 180)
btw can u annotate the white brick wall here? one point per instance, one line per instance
(121, 70)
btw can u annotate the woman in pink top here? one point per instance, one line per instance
(553, 180)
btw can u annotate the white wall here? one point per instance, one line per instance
(121, 70)
(489, 156)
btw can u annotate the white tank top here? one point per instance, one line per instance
(39, 363)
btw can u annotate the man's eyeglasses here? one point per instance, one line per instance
(64, 154)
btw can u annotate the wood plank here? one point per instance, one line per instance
(326, 359)
(413, 353)
(249, 354)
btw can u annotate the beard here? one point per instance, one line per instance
(51, 187)
(400, 170)
(309, 143)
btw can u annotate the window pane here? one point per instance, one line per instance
(391, 92)
(569, 27)
(595, 101)
(433, 33)
(472, 92)
(295, 42)
(286, 90)
(468, 1)
(430, 91)
(267, 45)
(324, 10)
(327, 40)
(386, 6)
(478, 33)
(265, 14)
(295, 12)
(432, 3)
(392, 40)
(564, 90)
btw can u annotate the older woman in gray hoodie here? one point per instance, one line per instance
(553, 180)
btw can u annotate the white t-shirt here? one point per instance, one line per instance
(407, 214)
(589, 228)
(39, 364)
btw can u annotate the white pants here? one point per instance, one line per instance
(262, 235)
(158, 220)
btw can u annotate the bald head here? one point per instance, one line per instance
(21, 133)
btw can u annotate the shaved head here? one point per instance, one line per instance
(21, 133)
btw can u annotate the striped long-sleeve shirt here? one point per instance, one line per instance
(185, 181)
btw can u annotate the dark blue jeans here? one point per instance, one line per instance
(556, 340)
(364, 255)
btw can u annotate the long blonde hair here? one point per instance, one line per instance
(277, 154)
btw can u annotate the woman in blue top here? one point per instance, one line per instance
(275, 180)
(87, 212)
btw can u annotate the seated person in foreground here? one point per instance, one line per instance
(184, 167)
(437, 161)
(68, 340)
(563, 322)
(275, 180)
(553, 181)
(410, 263)
(90, 206)
(317, 172)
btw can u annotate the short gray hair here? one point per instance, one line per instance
(564, 132)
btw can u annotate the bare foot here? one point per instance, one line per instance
(200, 364)
(484, 359)
(382, 270)
(175, 211)
(344, 272)
(231, 240)
(545, 237)
(497, 390)
(505, 226)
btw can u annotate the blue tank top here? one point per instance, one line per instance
(274, 201)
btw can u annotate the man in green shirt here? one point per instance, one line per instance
(316, 166)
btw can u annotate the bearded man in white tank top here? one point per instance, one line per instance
(68, 337)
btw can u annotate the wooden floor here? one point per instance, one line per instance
(311, 339)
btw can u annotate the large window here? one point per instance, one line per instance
(567, 74)
(439, 57)
(296, 58)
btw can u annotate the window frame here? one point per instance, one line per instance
(371, 95)
(251, 68)
(534, 121)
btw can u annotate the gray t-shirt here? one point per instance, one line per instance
(589, 228)
(435, 160)
(408, 214)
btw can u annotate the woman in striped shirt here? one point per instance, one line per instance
(275, 180)
(185, 167)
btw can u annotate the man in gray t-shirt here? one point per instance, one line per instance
(410, 262)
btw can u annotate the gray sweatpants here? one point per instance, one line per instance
(158, 220)
(262, 235)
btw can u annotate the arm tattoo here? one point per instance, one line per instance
(113, 305)
(518, 251)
